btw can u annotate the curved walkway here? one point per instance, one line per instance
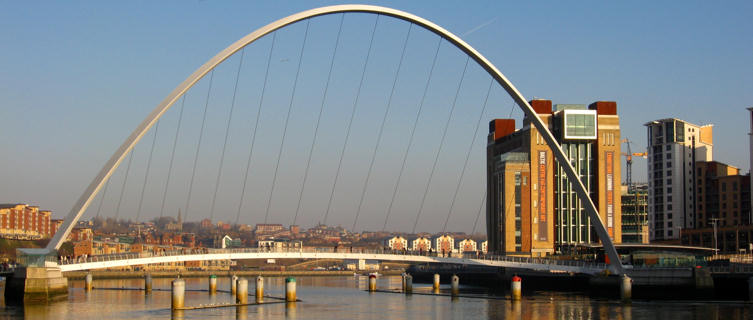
(142, 258)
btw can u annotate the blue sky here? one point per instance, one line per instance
(77, 77)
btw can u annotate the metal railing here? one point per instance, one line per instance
(197, 251)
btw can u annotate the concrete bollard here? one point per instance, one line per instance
(290, 290)
(89, 282)
(233, 284)
(436, 282)
(408, 284)
(626, 288)
(241, 295)
(212, 284)
(455, 285)
(148, 283)
(372, 283)
(750, 289)
(178, 293)
(259, 289)
(515, 288)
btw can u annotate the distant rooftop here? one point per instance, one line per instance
(560, 107)
(676, 119)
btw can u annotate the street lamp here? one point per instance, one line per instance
(714, 221)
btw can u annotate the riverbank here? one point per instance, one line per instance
(107, 274)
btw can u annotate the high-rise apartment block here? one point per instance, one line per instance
(674, 147)
(723, 195)
(531, 207)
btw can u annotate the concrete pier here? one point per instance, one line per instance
(516, 288)
(626, 288)
(148, 283)
(36, 284)
(455, 285)
(241, 295)
(212, 284)
(178, 293)
(436, 282)
(89, 281)
(233, 284)
(408, 284)
(402, 278)
(259, 289)
(372, 283)
(290, 295)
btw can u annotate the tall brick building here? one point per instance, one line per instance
(531, 207)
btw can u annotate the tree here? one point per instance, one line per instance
(66, 249)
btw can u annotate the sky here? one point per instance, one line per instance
(78, 77)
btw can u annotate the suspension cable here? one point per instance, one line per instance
(287, 118)
(146, 174)
(318, 120)
(350, 122)
(198, 146)
(102, 200)
(172, 157)
(481, 206)
(441, 144)
(256, 126)
(122, 190)
(381, 127)
(412, 134)
(227, 133)
(468, 156)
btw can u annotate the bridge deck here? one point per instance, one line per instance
(143, 258)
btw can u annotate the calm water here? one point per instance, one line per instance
(344, 298)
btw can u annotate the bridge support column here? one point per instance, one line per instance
(148, 283)
(233, 284)
(89, 281)
(241, 296)
(212, 284)
(408, 284)
(626, 288)
(36, 284)
(516, 288)
(402, 278)
(372, 283)
(178, 293)
(455, 284)
(259, 289)
(290, 295)
(436, 283)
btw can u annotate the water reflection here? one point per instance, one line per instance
(346, 297)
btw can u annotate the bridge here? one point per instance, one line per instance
(167, 194)
(145, 258)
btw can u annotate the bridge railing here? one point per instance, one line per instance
(345, 250)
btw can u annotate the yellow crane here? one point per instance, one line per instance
(629, 162)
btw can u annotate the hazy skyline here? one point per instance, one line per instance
(78, 78)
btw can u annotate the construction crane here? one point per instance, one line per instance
(629, 163)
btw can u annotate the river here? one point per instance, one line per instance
(346, 298)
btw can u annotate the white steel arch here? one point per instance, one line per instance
(91, 191)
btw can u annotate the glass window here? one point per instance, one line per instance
(680, 130)
(670, 132)
(669, 147)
